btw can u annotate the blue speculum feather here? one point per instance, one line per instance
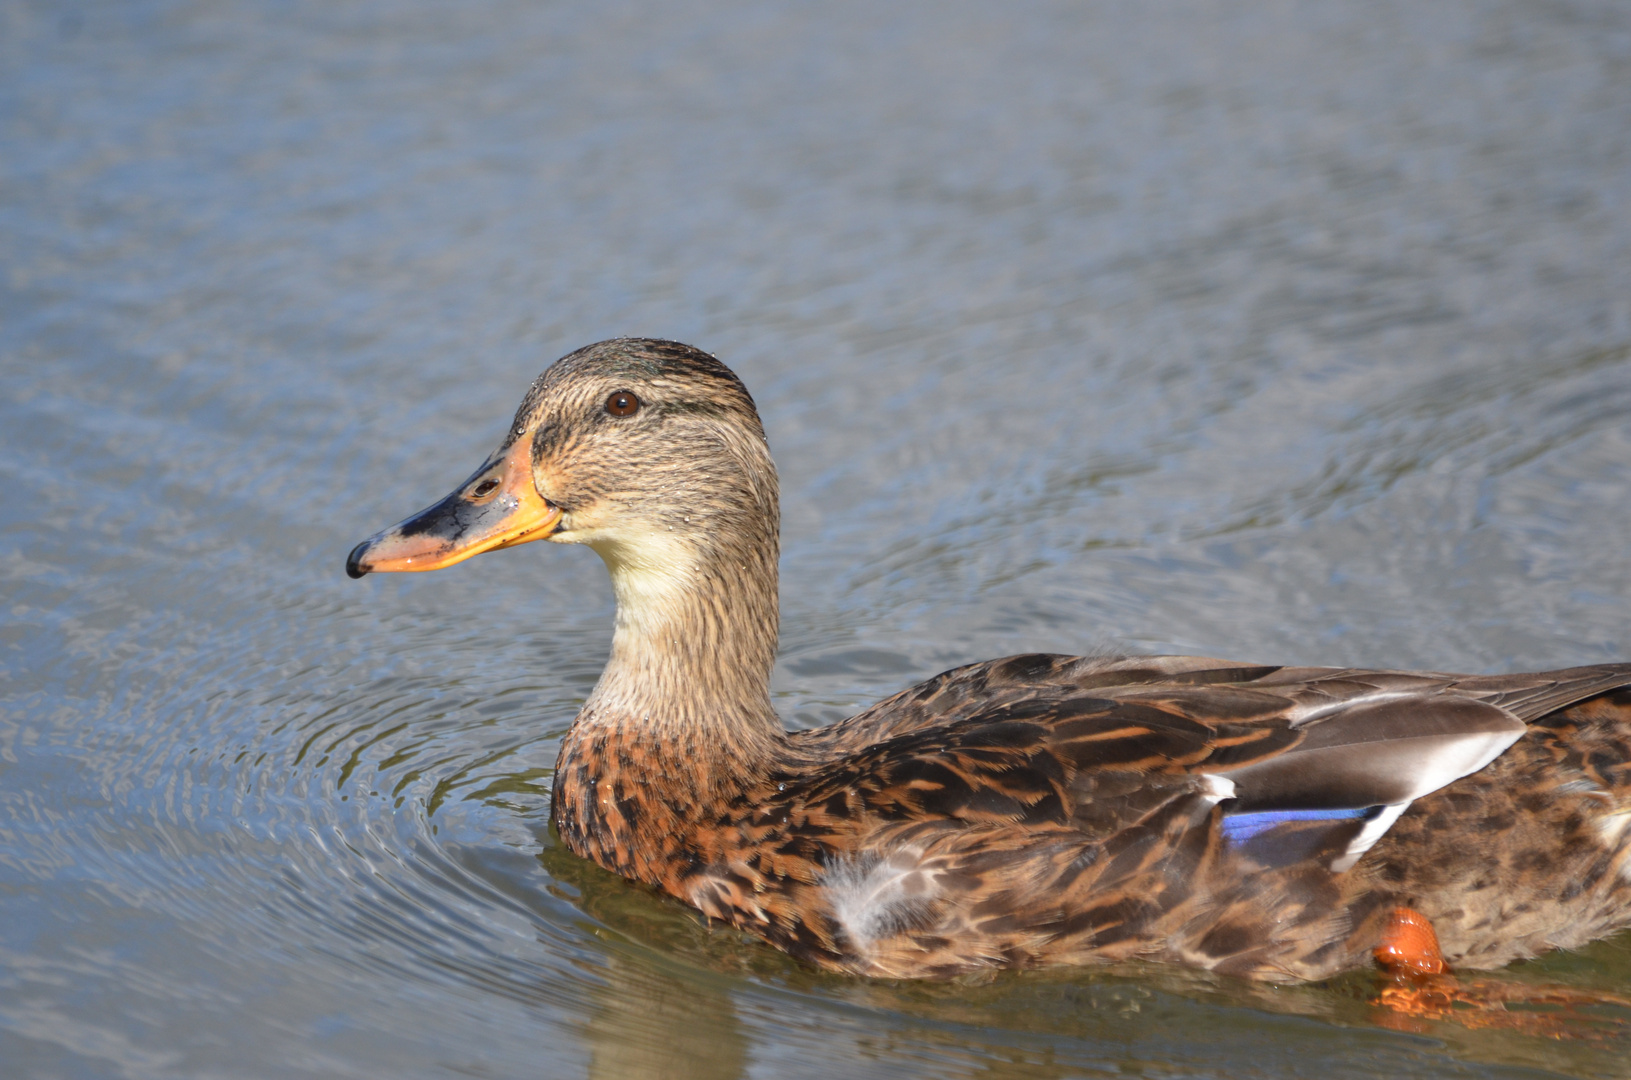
(1238, 828)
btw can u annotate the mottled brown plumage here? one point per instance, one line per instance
(1255, 820)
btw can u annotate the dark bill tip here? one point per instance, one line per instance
(353, 562)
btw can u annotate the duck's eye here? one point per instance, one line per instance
(622, 403)
(484, 488)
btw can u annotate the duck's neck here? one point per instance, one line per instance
(689, 674)
(680, 724)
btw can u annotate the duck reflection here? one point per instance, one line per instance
(648, 1024)
(653, 1016)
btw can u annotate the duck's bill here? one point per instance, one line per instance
(497, 507)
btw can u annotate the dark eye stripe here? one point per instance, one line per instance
(622, 403)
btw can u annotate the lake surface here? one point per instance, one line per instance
(1292, 332)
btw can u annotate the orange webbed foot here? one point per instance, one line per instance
(1409, 945)
(1421, 989)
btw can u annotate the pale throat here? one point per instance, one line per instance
(694, 638)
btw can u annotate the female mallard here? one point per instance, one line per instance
(1273, 822)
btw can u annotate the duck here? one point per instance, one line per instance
(1271, 822)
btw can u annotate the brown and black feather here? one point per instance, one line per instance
(1057, 805)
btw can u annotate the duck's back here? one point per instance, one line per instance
(1255, 820)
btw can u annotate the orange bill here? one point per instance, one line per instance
(497, 507)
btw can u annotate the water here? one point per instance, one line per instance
(1296, 332)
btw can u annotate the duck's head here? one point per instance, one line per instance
(650, 452)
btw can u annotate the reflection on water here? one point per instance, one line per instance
(647, 1024)
(1298, 335)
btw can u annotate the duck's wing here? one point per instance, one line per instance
(1322, 768)
(1301, 763)
(973, 689)
(1198, 810)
